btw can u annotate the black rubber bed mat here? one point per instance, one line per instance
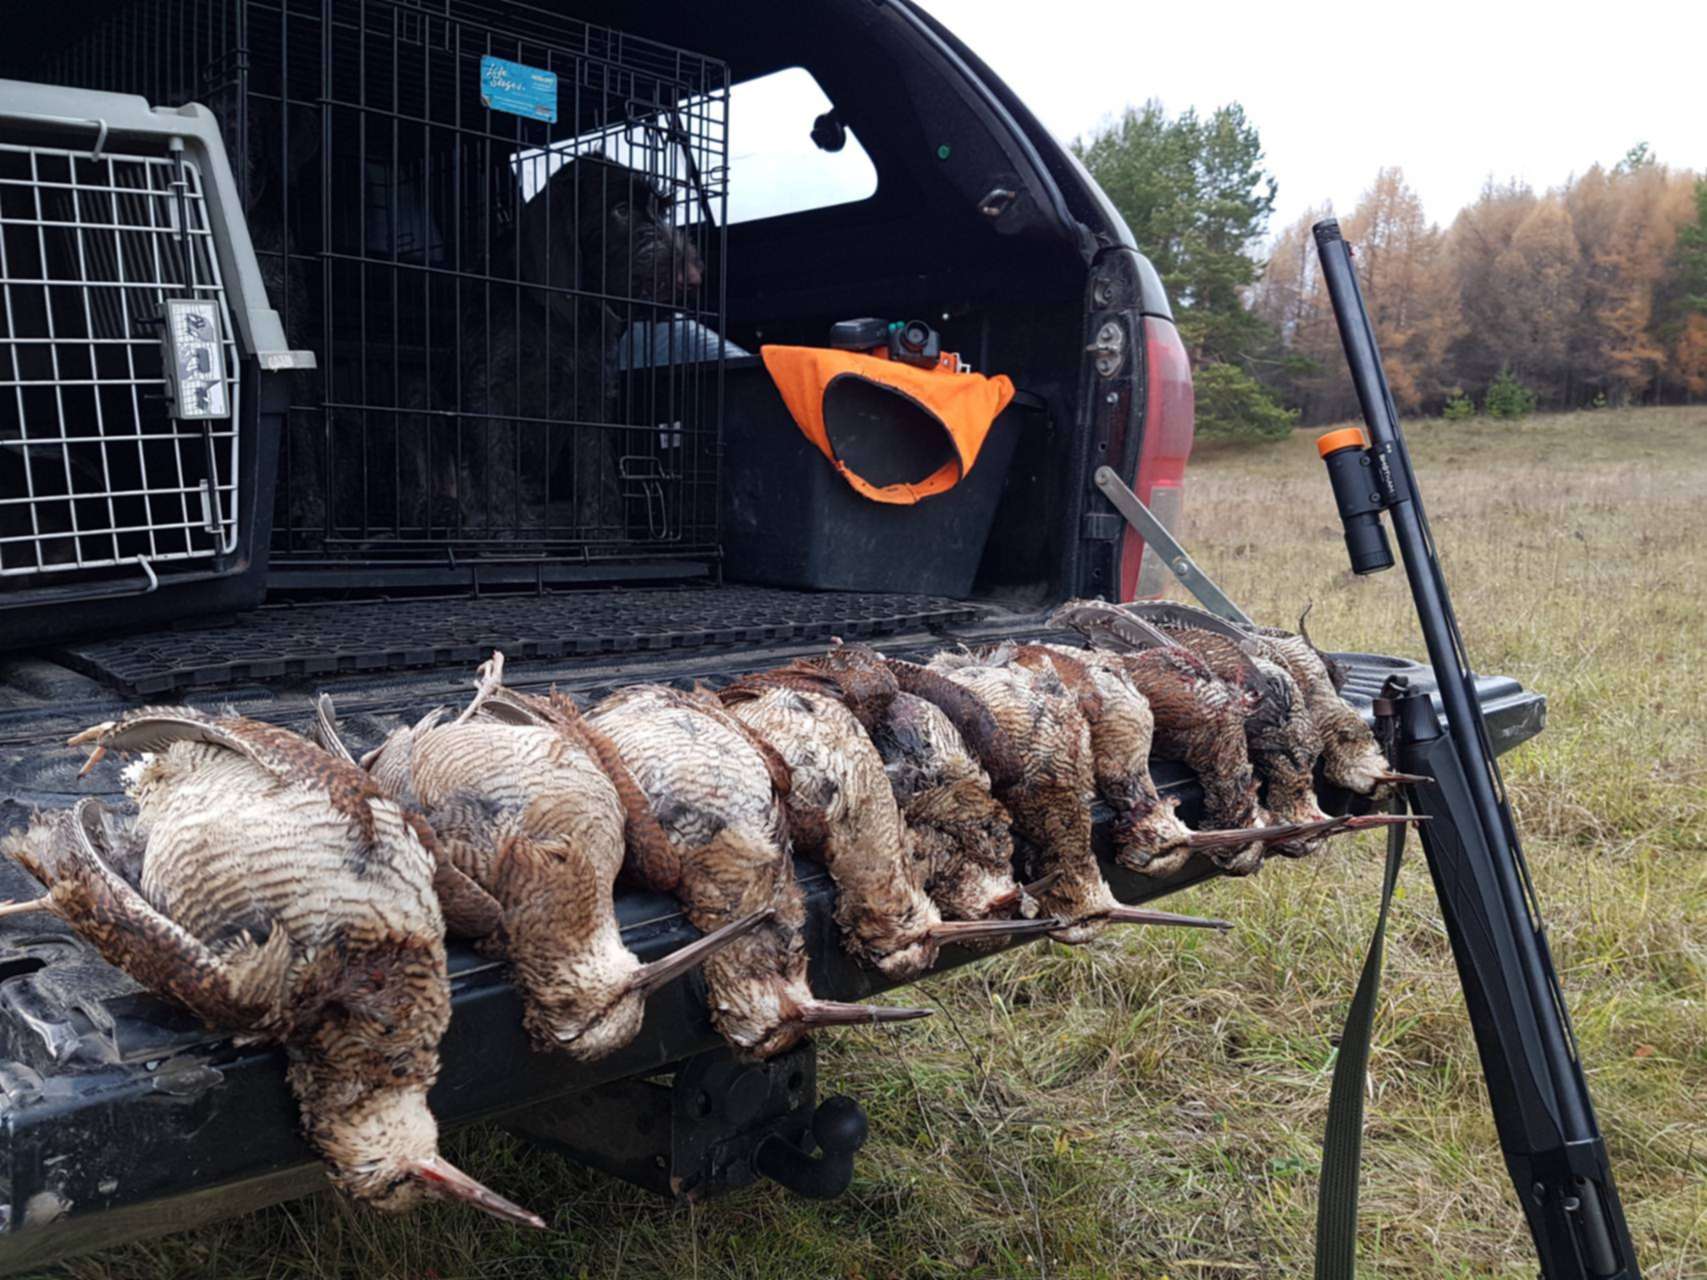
(291, 641)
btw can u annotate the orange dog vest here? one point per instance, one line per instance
(963, 405)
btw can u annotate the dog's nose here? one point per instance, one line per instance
(691, 274)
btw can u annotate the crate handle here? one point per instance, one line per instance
(42, 118)
(111, 590)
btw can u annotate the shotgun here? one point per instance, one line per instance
(1542, 1110)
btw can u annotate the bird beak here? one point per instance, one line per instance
(969, 930)
(649, 977)
(833, 1013)
(1140, 915)
(1371, 821)
(446, 1181)
(1242, 836)
(1409, 779)
(1352, 822)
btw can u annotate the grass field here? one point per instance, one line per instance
(1152, 1106)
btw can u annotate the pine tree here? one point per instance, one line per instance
(1197, 197)
(1507, 397)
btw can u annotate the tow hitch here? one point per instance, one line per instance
(716, 1125)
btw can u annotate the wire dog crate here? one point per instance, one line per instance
(131, 310)
(496, 226)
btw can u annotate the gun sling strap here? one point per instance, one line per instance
(1342, 1144)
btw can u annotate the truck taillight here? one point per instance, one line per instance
(1169, 424)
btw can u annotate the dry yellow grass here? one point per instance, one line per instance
(1152, 1106)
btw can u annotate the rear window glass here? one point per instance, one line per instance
(775, 168)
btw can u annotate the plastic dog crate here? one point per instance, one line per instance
(398, 161)
(140, 368)
(790, 520)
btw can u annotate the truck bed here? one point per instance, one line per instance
(122, 1116)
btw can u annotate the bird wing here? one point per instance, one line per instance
(798, 676)
(295, 762)
(1108, 626)
(977, 725)
(782, 777)
(469, 911)
(650, 858)
(525, 710)
(1166, 613)
(239, 987)
(287, 756)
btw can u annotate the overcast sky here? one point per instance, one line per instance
(1449, 91)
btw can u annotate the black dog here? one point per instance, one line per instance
(542, 442)
(513, 435)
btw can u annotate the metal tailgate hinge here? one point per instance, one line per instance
(1156, 534)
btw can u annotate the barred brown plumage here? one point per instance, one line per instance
(1289, 713)
(1148, 836)
(840, 789)
(715, 795)
(523, 808)
(1050, 800)
(1351, 758)
(278, 895)
(962, 843)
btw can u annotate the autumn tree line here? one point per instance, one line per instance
(1593, 293)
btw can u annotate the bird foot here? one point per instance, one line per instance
(34, 904)
(488, 679)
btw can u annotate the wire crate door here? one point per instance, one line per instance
(499, 230)
(100, 482)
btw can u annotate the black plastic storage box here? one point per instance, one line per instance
(142, 369)
(790, 520)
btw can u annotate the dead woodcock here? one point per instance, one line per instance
(275, 892)
(1351, 758)
(1283, 741)
(1280, 734)
(962, 842)
(843, 811)
(717, 792)
(535, 810)
(1148, 836)
(944, 754)
(1199, 718)
(1040, 726)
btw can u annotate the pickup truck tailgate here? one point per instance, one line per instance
(122, 1117)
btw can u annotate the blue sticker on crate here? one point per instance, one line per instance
(519, 89)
